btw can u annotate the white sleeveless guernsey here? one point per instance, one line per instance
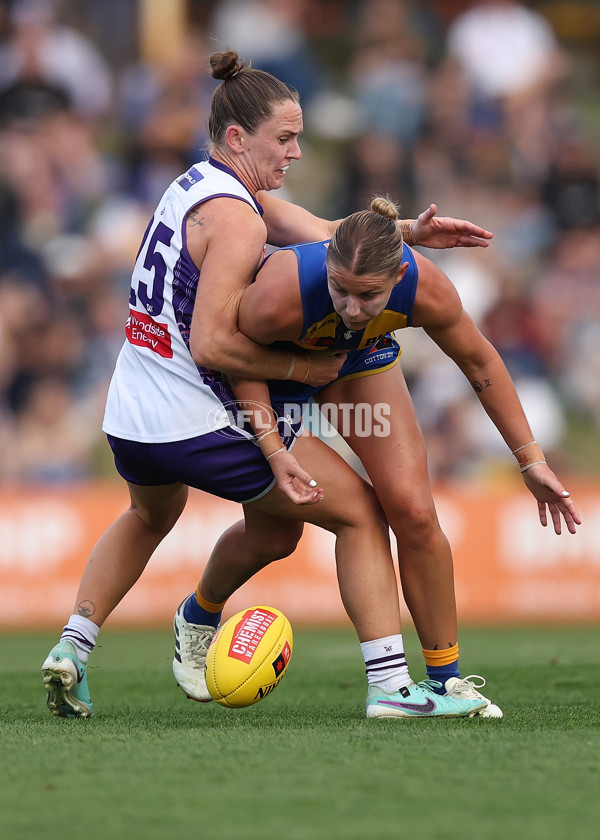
(157, 393)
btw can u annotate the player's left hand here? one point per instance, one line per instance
(296, 483)
(551, 496)
(433, 231)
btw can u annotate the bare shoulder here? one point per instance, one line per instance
(228, 225)
(271, 308)
(437, 303)
(280, 270)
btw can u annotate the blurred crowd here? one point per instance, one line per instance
(490, 109)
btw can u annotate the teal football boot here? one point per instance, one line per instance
(65, 679)
(419, 700)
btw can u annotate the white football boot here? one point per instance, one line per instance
(467, 689)
(191, 646)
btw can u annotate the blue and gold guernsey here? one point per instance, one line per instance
(370, 350)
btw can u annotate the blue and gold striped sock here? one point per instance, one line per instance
(441, 665)
(198, 610)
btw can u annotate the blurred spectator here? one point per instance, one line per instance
(511, 326)
(39, 51)
(388, 72)
(571, 188)
(505, 49)
(376, 164)
(272, 34)
(163, 113)
(51, 440)
(22, 310)
(567, 302)
(512, 63)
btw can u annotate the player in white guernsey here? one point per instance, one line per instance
(167, 414)
(156, 394)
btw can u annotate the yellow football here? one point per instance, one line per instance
(248, 656)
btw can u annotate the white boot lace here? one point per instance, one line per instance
(195, 643)
(468, 686)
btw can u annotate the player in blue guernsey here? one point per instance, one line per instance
(371, 347)
(349, 294)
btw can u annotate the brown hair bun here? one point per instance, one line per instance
(225, 65)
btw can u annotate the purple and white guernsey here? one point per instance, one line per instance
(157, 393)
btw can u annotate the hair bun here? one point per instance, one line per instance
(384, 206)
(225, 65)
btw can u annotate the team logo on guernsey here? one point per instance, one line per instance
(144, 331)
(380, 342)
(189, 178)
(316, 341)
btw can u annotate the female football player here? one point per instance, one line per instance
(349, 294)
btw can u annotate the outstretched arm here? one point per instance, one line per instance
(433, 231)
(489, 378)
(288, 224)
(438, 309)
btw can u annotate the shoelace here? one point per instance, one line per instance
(196, 644)
(429, 685)
(468, 684)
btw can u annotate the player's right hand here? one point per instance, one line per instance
(552, 498)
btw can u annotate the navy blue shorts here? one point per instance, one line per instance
(225, 463)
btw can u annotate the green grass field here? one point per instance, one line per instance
(305, 763)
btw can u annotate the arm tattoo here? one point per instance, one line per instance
(194, 218)
(478, 386)
(406, 232)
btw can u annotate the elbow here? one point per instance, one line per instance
(217, 352)
(206, 352)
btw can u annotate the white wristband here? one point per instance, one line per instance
(306, 375)
(291, 367)
(525, 445)
(270, 432)
(277, 451)
(529, 466)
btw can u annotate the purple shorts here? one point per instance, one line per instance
(224, 463)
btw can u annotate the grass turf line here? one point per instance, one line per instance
(305, 764)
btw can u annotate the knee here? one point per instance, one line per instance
(361, 511)
(159, 524)
(414, 523)
(284, 542)
(280, 542)
(160, 518)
